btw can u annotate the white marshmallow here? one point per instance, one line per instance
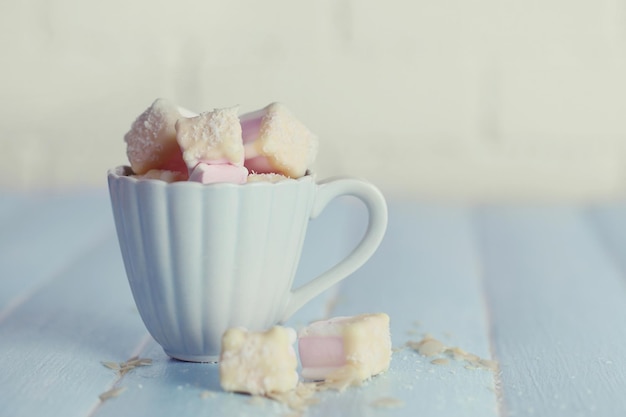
(258, 363)
(361, 343)
(276, 142)
(151, 141)
(212, 137)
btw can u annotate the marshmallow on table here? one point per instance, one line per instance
(276, 142)
(361, 343)
(211, 138)
(258, 363)
(151, 141)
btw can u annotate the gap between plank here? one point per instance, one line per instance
(141, 346)
(481, 276)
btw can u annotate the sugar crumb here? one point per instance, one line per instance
(122, 368)
(113, 392)
(387, 402)
(341, 379)
(429, 347)
(207, 394)
(297, 399)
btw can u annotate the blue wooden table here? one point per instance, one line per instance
(541, 289)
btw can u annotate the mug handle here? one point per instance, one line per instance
(377, 224)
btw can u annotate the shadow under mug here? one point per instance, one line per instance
(203, 258)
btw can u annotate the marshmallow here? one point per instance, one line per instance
(258, 363)
(211, 138)
(163, 175)
(361, 344)
(151, 141)
(275, 141)
(213, 173)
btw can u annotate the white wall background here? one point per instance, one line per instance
(429, 98)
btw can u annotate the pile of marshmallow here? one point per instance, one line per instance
(170, 143)
(342, 351)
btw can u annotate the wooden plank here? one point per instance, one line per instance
(558, 307)
(555, 304)
(45, 236)
(52, 344)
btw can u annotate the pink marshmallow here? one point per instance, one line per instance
(213, 173)
(360, 343)
(322, 351)
(151, 140)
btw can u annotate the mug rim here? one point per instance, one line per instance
(124, 172)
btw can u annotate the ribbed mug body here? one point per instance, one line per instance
(202, 258)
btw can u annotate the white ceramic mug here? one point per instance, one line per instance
(203, 258)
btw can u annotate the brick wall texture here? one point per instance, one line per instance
(486, 99)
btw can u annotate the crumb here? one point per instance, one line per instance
(428, 346)
(299, 398)
(440, 361)
(341, 379)
(387, 402)
(487, 364)
(124, 367)
(457, 353)
(303, 396)
(112, 365)
(113, 392)
(207, 394)
(268, 177)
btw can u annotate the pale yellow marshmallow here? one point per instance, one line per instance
(211, 137)
(360, 344)
(288, 146)
(258, 363)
